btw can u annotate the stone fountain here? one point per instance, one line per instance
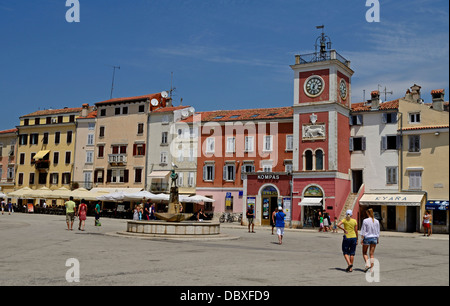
(174, 223)
(174, 212)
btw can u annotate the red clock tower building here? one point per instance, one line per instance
(321, 159)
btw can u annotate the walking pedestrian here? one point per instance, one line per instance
(251, 218)
(10, 208)
(147, 206)
(136, 213)
(350, 238)
(370, 237)
(70, 213)
(82, 212)
(98, 210)
(273, 219)
(152, 212)
(427, 223)
(335, 225)
(279, 222)
(320, 223)
(141, 212)
(2, 203)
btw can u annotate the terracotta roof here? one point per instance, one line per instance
(244, 114)
(91, 115)
(366, 106)
(8, 131)
(49, 112)
(425, 127)
(131, 99)
(169, 109)
(437, 91)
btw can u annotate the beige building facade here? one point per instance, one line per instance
(121, 132)
(8, 147)
(424, 160)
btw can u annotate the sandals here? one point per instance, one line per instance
(349, 269)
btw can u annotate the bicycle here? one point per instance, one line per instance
(225, 217)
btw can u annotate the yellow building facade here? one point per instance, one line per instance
(45, 151)
(424, 160)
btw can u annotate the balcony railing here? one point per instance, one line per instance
(322, 56)
(117, 158)
(159, 187)
(42, 164)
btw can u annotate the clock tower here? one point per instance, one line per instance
(322, 104)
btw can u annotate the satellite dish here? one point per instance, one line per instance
(164, 94)
(154, 102)
(184, 114)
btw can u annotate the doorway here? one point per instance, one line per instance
(269, 197)
(391, 218)
(411, 219)
(357, 180)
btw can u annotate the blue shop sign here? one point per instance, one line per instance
(436, 205)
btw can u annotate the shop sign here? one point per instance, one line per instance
(437, 205)
(268, 177)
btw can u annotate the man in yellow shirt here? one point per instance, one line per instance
(350, 240)
(70, 213)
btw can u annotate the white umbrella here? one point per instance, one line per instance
(2, 195)
(19, 193)
(140, 195)
(82, 193)
(162, 197)
(61, 193)
(199, 198)
(41, 193)
(113, 197)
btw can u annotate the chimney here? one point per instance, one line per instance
(375, 102)
(85, 110)
(438, 99)
(415, 91)
(297, 59)
(408, 96)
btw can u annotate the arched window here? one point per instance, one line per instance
(308, 160)
(319, 160)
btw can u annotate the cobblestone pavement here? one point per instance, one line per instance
(35, 249)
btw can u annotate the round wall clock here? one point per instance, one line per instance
(314, 86)
(343, 89)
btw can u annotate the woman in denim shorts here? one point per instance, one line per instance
(370, 235)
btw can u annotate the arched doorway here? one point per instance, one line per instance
(312, 205)
(269, 201)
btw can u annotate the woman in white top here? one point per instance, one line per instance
(370, 237)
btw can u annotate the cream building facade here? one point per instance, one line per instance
(83, 173)
(8, 147)
(424, 160)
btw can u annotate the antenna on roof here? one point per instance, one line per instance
(385, 92)
(114, 74)
(172, 89)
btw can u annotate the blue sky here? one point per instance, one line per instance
(224, 54)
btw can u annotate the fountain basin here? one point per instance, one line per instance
(191, 228)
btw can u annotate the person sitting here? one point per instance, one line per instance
(201, 215)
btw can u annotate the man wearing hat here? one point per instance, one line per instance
(350, 239)
(279, 223)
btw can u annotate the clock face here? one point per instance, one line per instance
(343, 89)
(314, 86)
